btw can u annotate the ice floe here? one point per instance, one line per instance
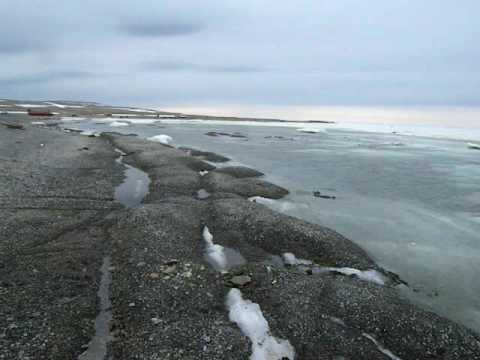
(474, 146)
(380, 347)
(163, 139)
(249, 318)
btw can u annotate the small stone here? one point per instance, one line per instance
(240, 280)
(169, 270)
(141, 263)
(171, 262)
(156, 321)
(154, 275)
(132, 304)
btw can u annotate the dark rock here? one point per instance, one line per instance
(205, 155)
(218, 133)
(239, 172)
(320, 195)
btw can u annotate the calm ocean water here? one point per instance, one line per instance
(412, 202)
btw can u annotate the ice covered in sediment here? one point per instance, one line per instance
(163, 139)
(119, 123)
(249, 318)
(290, 259)
(214, 252)
(381, 348)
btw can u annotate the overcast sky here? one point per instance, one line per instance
(249, 52)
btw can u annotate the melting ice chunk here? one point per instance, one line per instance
(291, 259)
(163, 139)
(249, 318)
(366, 275)
(221, 258)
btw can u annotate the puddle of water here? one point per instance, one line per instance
(98, 346)
(202, 194)
(131, 192)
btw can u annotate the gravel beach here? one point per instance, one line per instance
(61, 221)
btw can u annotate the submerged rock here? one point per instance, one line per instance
(219, 133)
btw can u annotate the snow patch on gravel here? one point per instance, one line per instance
(380, 347)
(290, 259)
(249, 318)
(215, 252)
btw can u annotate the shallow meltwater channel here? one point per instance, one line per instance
(131, 192)
(98, 346)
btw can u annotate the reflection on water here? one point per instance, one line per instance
(131, 192)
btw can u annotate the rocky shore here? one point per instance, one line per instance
(316, 290)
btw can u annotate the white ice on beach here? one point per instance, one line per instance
(119, 123)
(290, 259)
(203, 172)
(249, 318)
(37, 123)
(365, 275)
(214, 252)
(163, 139)
(381, 348)
(278, 205)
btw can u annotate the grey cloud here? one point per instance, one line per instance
(159, 29)
(157, 66)
(45, 77)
